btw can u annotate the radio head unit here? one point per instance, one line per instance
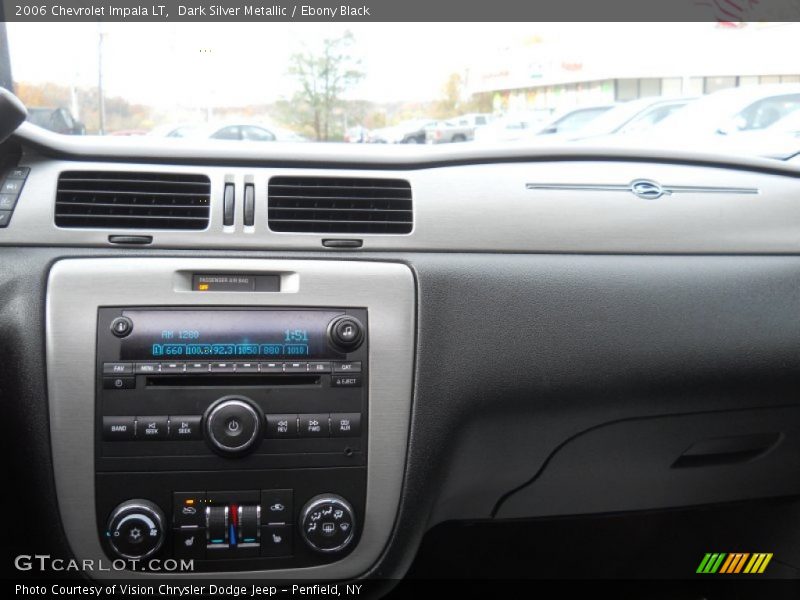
(257, 418)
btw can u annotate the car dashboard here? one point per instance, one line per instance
(294, 362)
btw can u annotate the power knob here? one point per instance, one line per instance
(345, 333)
(232, 425)
(136, 529)
(327, 523)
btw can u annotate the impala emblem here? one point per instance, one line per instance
(648, 189)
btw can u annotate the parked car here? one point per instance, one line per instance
(58, 119)
(510, 128)
(407, 132)
(573, 119)
(244, 131)
(731, 111)
(460, 129)
(629, 117)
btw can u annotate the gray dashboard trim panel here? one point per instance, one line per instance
(77, 287)
(476, 208)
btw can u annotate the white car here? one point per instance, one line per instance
(731, 111)
(243, 131)
(511, 128)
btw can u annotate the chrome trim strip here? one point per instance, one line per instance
(668, 189)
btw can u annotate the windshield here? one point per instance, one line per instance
(406, 83)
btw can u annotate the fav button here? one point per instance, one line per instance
(117, 368)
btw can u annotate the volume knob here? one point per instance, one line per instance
(233, 425)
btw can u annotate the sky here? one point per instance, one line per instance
(236, 64)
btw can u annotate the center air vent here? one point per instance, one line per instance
(101, 199)
(340, 205)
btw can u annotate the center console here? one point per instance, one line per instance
(249, 415)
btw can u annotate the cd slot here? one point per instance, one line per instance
(211, 380)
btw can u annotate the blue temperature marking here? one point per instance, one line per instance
(247, 540)
(233, 534)
(217, 541)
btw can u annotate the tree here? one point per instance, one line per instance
(323, 78)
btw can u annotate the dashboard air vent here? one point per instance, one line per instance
(102, 199)
(340, 205)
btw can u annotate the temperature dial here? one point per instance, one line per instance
(136, 529)
(327, 523)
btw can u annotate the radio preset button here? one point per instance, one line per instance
(346, 380)
(119, 428)
(121, 326)
(281, 426)
(173, 367)
(271, 367)
(152, 428)
(319, 367)
(295, 367)
(117, 368)
(314, 425)
(345, 424)
(232, 425)
(222, 367)
(198, 367)
(185, 427)
(119, 383)
(246, 367)
(148, 368)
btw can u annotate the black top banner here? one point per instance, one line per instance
(406, 10)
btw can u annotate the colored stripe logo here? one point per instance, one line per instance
(734, 563)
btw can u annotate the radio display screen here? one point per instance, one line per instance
(187, 335)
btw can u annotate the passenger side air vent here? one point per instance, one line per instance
(340, 205)
(123, 200)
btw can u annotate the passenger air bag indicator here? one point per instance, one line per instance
(228, 282)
